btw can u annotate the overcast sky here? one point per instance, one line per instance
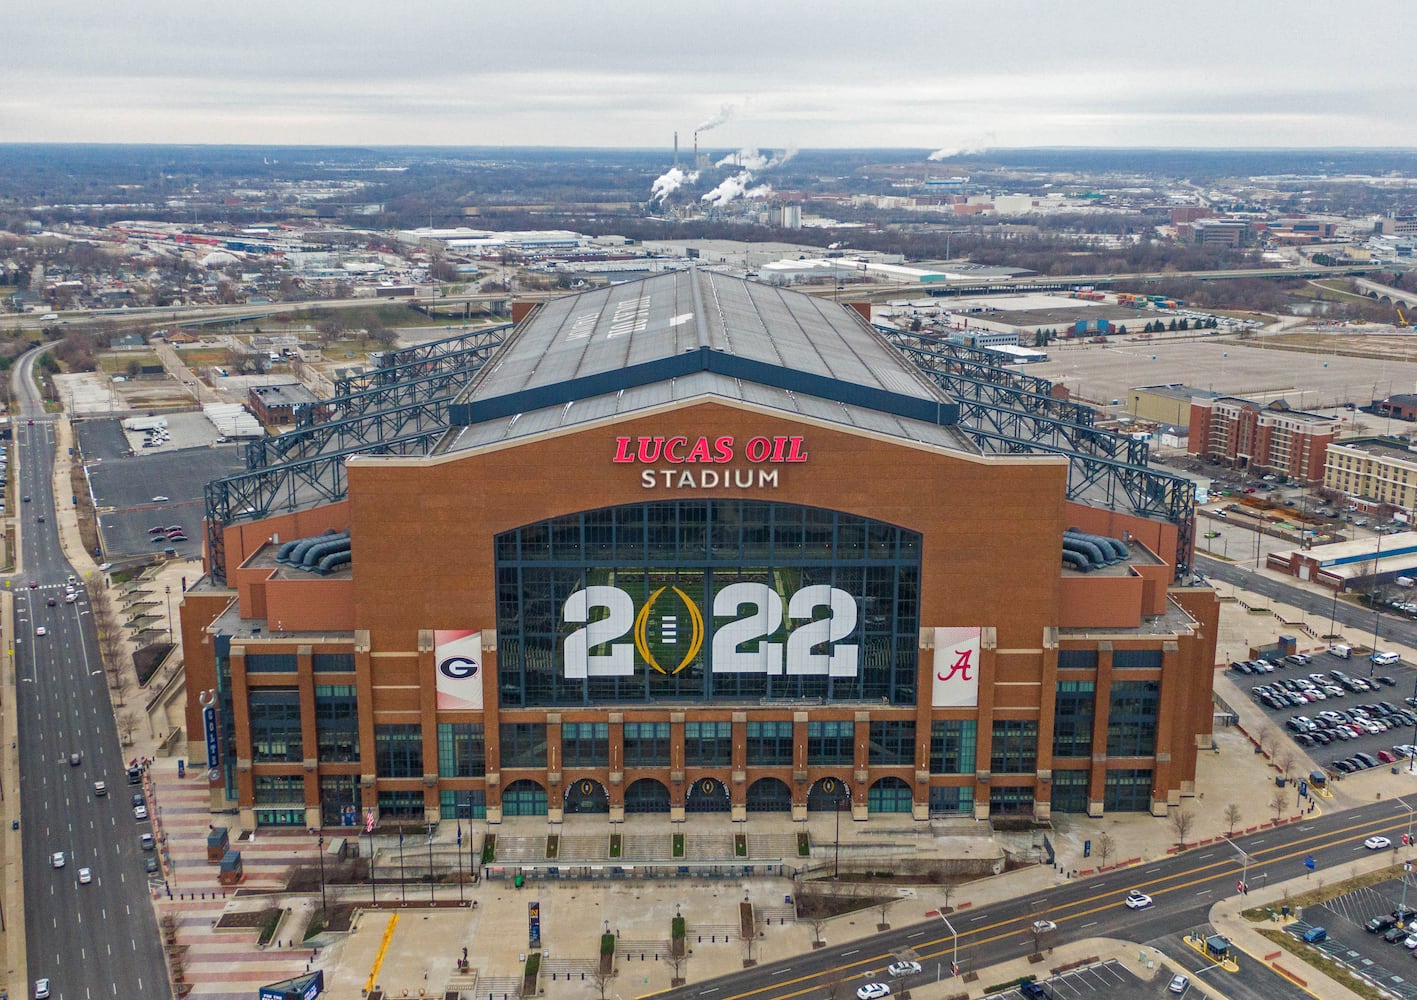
(938, 74)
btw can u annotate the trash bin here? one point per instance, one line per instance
(1279, 781)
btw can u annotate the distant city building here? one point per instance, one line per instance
(1402, 225)
(1402, 405)
(1216, 232)
(281, 404)
(1250, 436)
(980, 339)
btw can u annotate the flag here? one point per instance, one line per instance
(459, 833)
(400, 835)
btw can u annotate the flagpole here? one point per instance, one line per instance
(403, 882)
(430, 863)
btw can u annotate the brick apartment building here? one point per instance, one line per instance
(1261, 439)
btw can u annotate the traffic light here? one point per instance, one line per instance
(954, 968)
(1406, 839)
(1240, 886)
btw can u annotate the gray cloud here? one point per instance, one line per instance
(798, 73)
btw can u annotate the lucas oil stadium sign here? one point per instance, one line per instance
(689, 463)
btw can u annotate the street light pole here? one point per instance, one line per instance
(1333, 612)
(1245, 869)
(168, 589)
(954, 935)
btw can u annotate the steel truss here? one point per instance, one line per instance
(1011, 412)
(310, 482)
(394, 364)
(344, 437)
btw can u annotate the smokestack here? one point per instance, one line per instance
(696, 149)
(676, 147)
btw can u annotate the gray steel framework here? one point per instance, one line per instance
(290, 486)
(445, 359)
(345, 436)
(1001, 409)
(1005, 413)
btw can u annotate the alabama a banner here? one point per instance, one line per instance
(458, 655)
(956, 683)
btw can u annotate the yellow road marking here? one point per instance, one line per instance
(1367, 830)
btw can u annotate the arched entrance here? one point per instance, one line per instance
(646, 796)
(524, 798)
(889, 795)
(825, 793)
(769, 795)
(707, 795)
(586, 795)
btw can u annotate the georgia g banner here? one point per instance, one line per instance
(956, 683)
(458, 658)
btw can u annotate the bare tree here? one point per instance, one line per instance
(1181, 821)
(601, 979)
(127, 725)
(1268, 734)
(883, 908)
(677, 958)
(1105, 846)
(1232, 816)
(1285, 762)
(749, 943)
(946, 889)
(1277, 803)
(817, 921)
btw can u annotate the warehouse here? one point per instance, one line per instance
(696, 544)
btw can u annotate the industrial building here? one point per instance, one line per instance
(1262, 439)
(1165, 404)
(696, 544)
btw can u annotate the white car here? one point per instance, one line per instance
(1178, 984)
(1377, 843)
(1410, 943)
(159, 500)
(41, 989)
(1043, 926)
(1383, 658)
(873, 991)
(899, 969)
(85, 876)
(56, 860)
(1137, 900)
(41, 631)
(140, 812)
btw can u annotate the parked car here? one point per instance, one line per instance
(1137, 900)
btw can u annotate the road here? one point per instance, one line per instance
(1322, 607)
(1184, 888)
(98, 940)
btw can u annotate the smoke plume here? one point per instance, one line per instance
(670, 181)
(714, 121)
(751, 159)
(737, 187)
(973, 147)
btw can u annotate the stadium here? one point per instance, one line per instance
(695, 544)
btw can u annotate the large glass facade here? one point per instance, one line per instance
(1073, 712)
(275, 725)
(1015, 747)
(1131, 724)
(952, 743)
(690, 600)
(336, 723)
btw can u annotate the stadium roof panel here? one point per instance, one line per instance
(742, 339)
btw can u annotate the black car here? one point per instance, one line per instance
(1380, 923)
(1394, 934)
(138, 800)
(150, 865)
(1385, 680)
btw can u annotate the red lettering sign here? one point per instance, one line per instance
(961, 666)
(682, 450)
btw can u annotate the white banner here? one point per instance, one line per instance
(458, 659)
(956, 683)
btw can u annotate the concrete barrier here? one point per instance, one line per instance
(1288, 975)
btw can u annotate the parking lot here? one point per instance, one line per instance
(1381, 955)
(1106, 979)
(1347, 721)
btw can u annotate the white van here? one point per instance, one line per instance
(1340, 651)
